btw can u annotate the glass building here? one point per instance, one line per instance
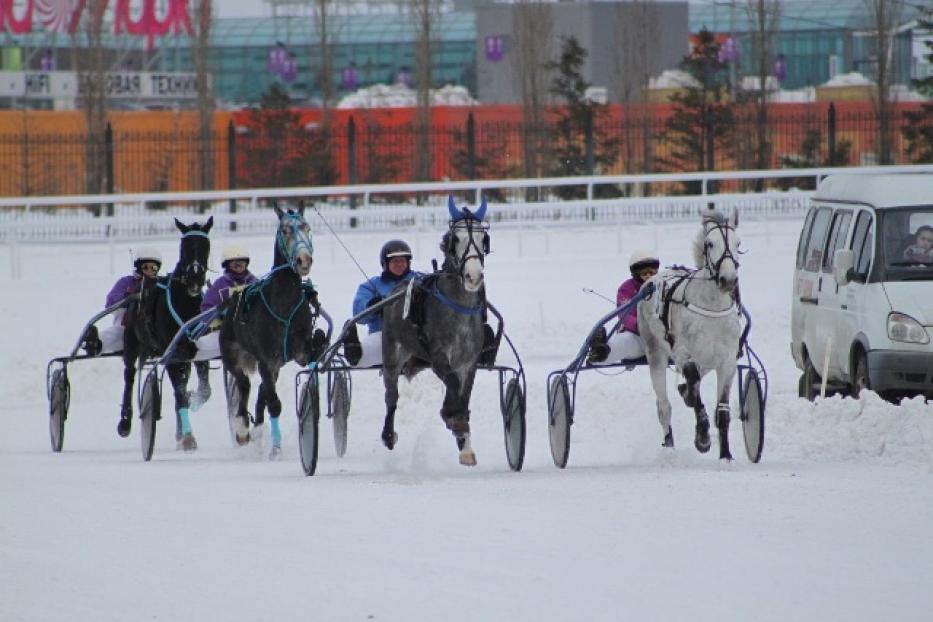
(817, 38)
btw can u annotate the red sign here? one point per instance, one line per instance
(65, 15)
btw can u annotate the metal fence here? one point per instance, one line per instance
(362, 151)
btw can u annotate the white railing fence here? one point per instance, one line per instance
(416, 206)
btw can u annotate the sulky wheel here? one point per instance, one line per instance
(340, 410)
(59, 396)
(513, 420)
(753, 416)
(309, 412)
(560, 419)
(150, 406)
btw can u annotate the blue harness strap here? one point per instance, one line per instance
(447, 302)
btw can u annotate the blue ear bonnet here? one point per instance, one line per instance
(465, 213)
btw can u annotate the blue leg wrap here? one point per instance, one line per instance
(185, 422)
(276, 432)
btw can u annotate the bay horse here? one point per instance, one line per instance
(270, 323)
(693, 319)
(449, 334)
(164, 304)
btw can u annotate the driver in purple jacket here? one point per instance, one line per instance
(236, 276)
(147, 263)
(625, 344)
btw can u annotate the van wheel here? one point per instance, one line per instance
(808, 387)
(861, 381)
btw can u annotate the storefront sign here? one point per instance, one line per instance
(118, 85)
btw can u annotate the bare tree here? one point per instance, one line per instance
(637, 23)
(205, 97)
(426, 16)
(92, 65)
(532, 29)
(885, 16)
(324, 15)
(764, 17)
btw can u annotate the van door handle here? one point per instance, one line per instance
(844, 307)
(808, 301)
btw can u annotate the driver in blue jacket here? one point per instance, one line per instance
(395, 259)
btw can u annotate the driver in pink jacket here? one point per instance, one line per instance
(625, 344)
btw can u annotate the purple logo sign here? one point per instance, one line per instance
(348, 78)
(495, 48)
(729, 52)
(282, 63)
(780, 68)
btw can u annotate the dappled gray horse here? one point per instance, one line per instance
(693, 319)
(448, 333)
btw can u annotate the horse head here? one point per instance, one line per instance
(293, 240)
(716, 248)
(466, 244)
(193, 252)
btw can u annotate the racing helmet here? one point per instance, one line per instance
(393, 248)
(641, 259)
(147, 255)
(234, 252)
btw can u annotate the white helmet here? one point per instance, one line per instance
(641, 259)
(146, 255)
(233, 252)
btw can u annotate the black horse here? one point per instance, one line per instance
(271, 322)
(448, 335)
(164, 305)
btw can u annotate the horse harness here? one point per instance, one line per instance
(667, 297)
(242, 304)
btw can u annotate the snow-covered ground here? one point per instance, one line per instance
(833, 524)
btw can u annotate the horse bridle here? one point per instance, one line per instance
(723, 230)
(191, 268)
(301, 239)
(471, 225)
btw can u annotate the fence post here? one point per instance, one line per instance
(590, 160)
(471, 147)
(831, 133)
(108, 163)
(351, 162)
(231, 168)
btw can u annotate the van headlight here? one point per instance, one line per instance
(906, 329)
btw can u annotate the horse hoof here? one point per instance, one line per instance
(668, 439)
(467, 458)
(123, 428)
(275, 453)
(389, 440)
(702, 443)
(188, 443)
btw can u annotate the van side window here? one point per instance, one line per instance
(813, 256)
(804, 236)
(837, 237)
(862, 243)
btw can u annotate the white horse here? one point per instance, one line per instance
(693, 319)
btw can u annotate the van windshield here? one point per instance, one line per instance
(907, 244)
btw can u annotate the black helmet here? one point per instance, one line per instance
(393, 248)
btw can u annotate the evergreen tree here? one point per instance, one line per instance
(575, 120)
(700, 126)
(280, 151)
(918, 133)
